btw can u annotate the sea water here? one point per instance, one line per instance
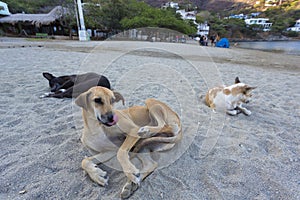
(288, 47)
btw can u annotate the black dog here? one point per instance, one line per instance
(73, 85)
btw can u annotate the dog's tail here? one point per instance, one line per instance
(205, 99)
(162, 141)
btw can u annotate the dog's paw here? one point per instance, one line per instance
(44, 95)
(99, 176)
(232, 112)
(47, 94)
(128, 189)
(247, 112)
(143, 132)
(96, 174)
(134, 177)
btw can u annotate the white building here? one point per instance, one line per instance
(270, 3)
(202, 29)
(191, 15)
(170, 5)
(242, 16)
(4, 9)
(238, 16)
(296, 27)
(262, 22)
(174, 5)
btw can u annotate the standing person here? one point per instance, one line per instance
(212, 40)
(201, 41)
(217, 38)
(205, 40)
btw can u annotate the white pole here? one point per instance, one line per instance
(82, 27)
(76, 13)
(82, 32)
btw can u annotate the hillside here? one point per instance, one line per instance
(228, 5)
(127, 14)
(34, 6)
(213, 5)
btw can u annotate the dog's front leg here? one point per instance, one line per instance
(95, 173)
(123, 157)
(231, 108)
(65, 85)
(149, 165)
(244, 110)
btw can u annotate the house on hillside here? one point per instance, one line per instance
(296, 27)
(242, 16)
(238, 16)
(4, 9)
(31, 24)
(170, 5)
(271, 3)
(202, 28)
(191, 15)
(262, 23)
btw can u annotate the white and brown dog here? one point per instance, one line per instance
(109, 132)
(230, 98)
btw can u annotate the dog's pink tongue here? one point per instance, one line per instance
(115, 120)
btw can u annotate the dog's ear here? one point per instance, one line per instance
(119, 97)
(82, 100)
(237, 80)
(48, 76)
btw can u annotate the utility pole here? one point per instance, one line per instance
(76, 13)
(83, 36)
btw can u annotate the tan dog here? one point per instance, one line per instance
(230, 98)
(109, 132)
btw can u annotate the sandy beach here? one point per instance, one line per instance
(220, 156)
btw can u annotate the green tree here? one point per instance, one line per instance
(216, 25)
(113, 13)
(93, 14)
(33, 6)
(143, 15)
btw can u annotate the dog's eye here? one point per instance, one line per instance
(98, 100)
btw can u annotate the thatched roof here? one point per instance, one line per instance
(35, 19)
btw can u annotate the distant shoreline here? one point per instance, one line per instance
(263, 40)
(291, 47)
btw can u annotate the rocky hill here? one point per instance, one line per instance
(224, 5)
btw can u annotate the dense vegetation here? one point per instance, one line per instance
(112, 14)
(127, 14)
(282, 17)
(34, 6)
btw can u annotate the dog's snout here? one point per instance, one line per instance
(108, 117)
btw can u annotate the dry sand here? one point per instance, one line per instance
(220, 157)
